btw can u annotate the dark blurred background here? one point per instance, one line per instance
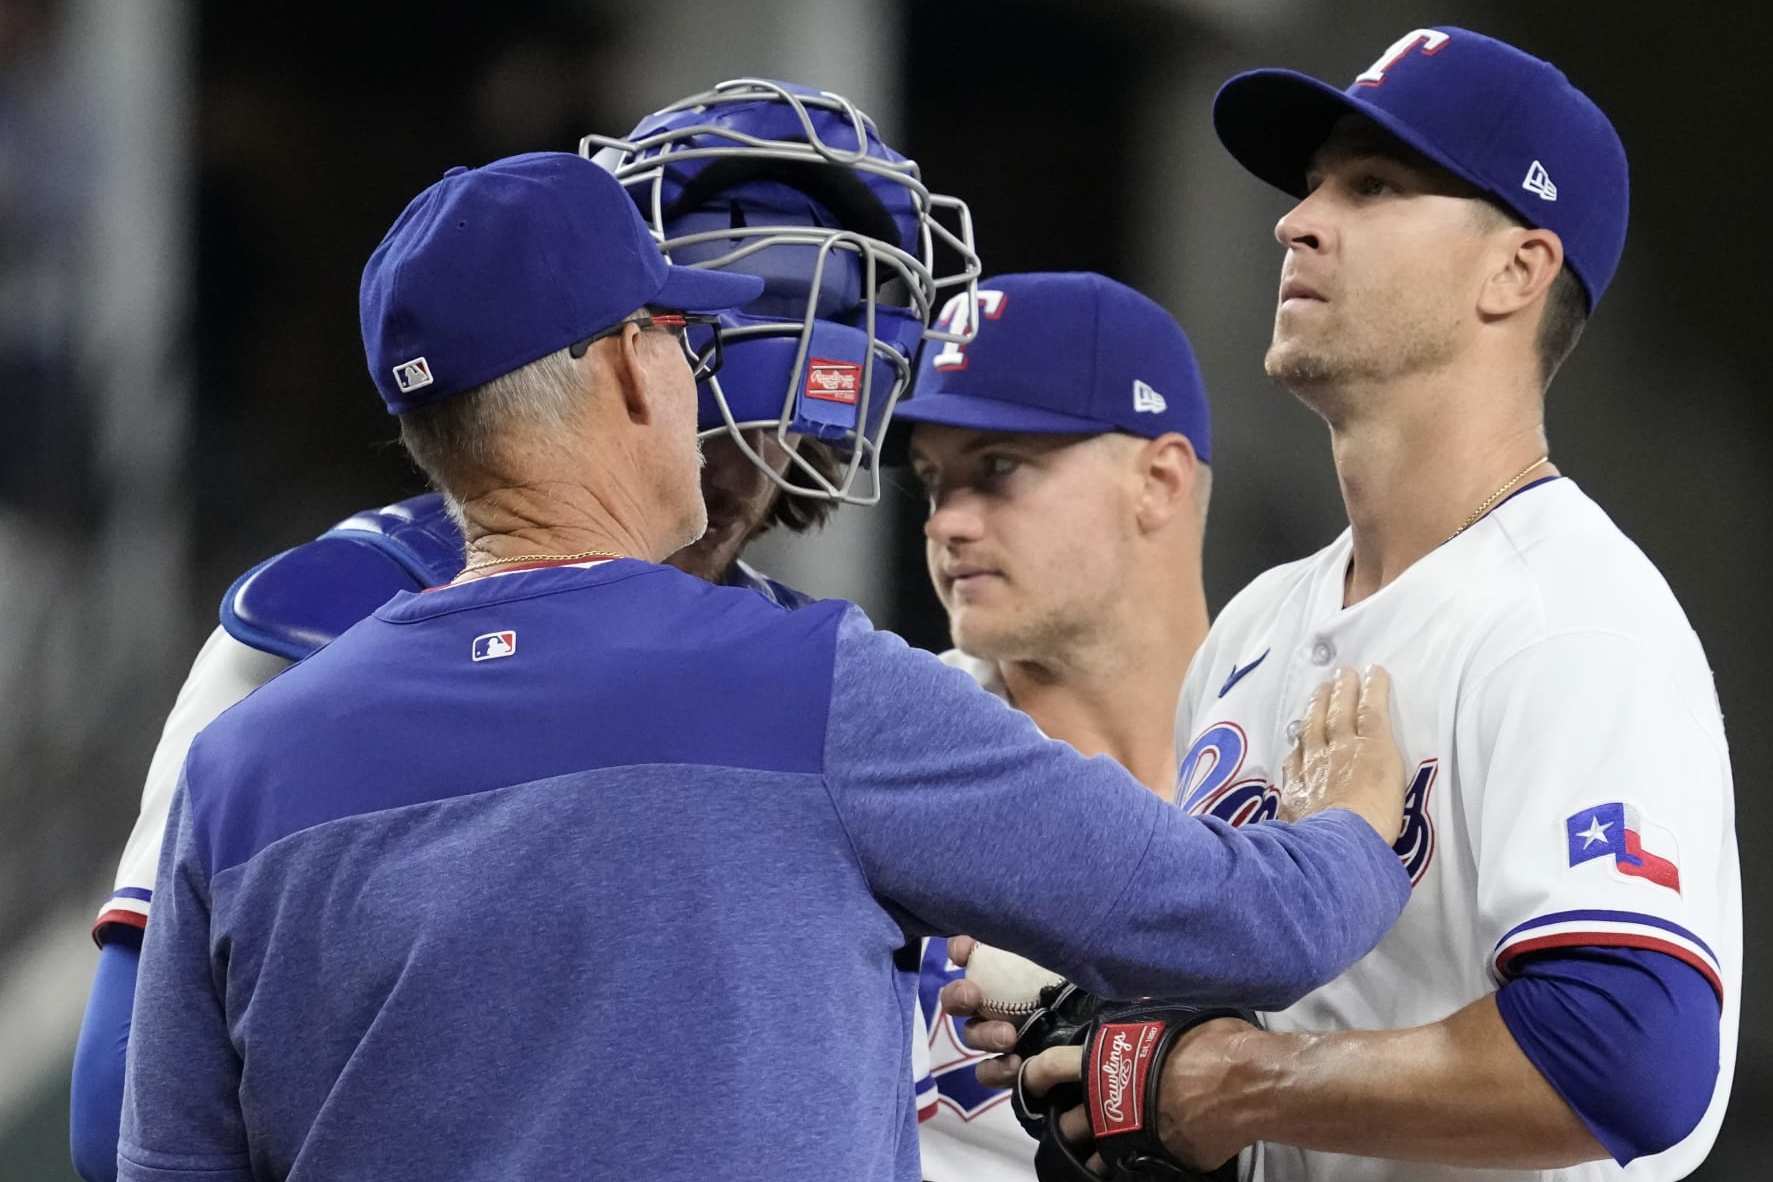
(188, 192)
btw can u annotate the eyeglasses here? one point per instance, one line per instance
(703, 365)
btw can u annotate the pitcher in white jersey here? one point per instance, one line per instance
(1560, 998)
(1064, 452)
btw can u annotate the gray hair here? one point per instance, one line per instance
(471, 432)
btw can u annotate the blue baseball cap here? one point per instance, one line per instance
(1499, 119)
(1061, 353)
(492, 268)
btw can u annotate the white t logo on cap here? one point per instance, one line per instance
(1146, 400)
(960, 316)
(1430, 40)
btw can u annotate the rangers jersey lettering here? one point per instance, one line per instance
(1570, 782)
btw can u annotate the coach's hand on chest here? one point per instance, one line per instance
(1343, 753)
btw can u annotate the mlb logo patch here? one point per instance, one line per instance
(1638, 848)
(413, 375)
(494, 644)
(833, 381)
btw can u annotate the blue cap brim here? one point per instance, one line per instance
(692, 289)
(988, 414)
(1272, 121)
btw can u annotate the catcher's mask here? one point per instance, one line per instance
(795, 185)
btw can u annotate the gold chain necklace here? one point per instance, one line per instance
(1478, 513)
(582, 555)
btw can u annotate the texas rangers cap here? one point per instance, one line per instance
(492, 268)
(1062, 353)
(1497, 118)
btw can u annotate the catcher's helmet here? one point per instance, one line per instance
(795, 185)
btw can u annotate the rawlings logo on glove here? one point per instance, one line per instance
(1124, 1050)
(1118, 1070)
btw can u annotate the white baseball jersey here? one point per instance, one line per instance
(225, 672)
(1570, 780)
(966, 1131)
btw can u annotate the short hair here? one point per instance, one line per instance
(470, 432)
(1566, 305)
(1566, 314)
(467, 433)
(798, 514)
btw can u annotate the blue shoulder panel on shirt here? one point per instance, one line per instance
(295, 602)
(623, 664)
(1627, 1036)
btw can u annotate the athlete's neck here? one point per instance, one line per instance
(1117, 696)
(549, 520)
(1414, 470)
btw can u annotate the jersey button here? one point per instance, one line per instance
(1323, 652)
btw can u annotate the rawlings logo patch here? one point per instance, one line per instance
(833, 381)
(1118, 1066)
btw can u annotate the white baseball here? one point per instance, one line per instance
(1010, 983)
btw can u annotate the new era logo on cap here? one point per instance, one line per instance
(494, 644)
(1146, 400)
(413, 375)
(1539, 181)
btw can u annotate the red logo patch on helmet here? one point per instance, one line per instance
(833, 381)
(1119, 1063)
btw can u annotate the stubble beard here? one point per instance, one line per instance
(1323, 373)
(717, 549)
(1047, 637)
(709, 559)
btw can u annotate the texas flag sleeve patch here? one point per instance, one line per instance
(1618, 831)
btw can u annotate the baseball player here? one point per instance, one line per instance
(1559, 1000)
(1064, 453)
(802, 197)
(532, 844)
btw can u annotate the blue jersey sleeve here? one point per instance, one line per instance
(181, 1106)
(1627, 1036)
(95, 1101)
(967, 819)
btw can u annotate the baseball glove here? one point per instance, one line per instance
(1125, 1044)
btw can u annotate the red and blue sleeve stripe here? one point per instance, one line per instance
(127, 906)
(1607, 929)
(926, 1097)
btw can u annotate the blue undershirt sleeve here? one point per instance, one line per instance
(1627, 1036)
(964, 817)
(96, 1096)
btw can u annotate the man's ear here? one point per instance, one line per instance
(627, 370)
(1166, 467)
(1523, 272)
